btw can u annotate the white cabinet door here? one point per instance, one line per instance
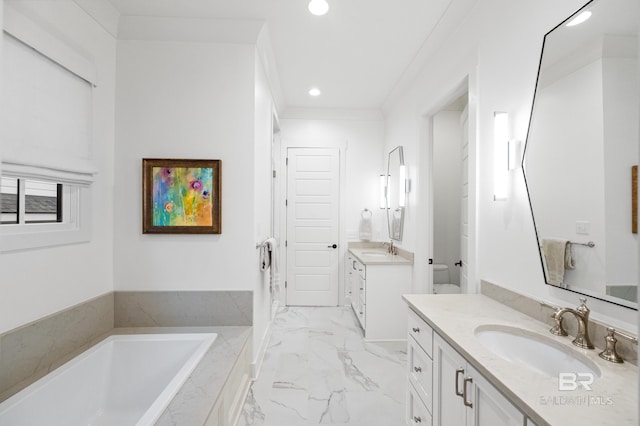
(463, 397)
(489, 406)
(348, 288)
(449, 370)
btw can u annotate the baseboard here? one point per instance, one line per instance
(264, 345)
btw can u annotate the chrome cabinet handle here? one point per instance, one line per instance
(464, 391)
(417, 419)
(417, 369)
(458, 372)
(416, 330)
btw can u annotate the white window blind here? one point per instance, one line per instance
(47, 112)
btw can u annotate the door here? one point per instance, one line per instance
(449, 372)
(313, 183)
(490, 407)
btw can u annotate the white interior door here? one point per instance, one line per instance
(313, 183)
(464, 205)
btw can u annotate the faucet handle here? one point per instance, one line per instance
(558, 328)
(609, 352)
(583, 309)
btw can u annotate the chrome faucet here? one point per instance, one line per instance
(391, 249)
(581, 313)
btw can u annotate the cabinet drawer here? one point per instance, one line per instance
(417, 413)
(421, 373)
(419, 330)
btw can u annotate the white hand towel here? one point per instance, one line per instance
(365, 229)
(264, 257)
(557, 258)
(272, 249)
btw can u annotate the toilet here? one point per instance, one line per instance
(441, 280)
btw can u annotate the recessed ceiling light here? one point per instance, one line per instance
(579, 19)
(318, 7)
(314, 91)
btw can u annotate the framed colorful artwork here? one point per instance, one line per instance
(181, 196)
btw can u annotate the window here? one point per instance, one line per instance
(26, 201)
(46, 169)
(40, 213)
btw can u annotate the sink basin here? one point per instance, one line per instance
(375, 254)
(534, 351)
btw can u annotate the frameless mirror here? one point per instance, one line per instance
(395, 193)
(581, 147)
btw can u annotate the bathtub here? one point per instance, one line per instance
(123, 380)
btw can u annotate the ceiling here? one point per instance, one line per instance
(355, 54)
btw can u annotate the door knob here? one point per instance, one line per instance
(333, 246)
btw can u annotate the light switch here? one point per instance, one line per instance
(583, 227)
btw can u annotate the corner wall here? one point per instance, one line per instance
(362, 135)
(499, 43)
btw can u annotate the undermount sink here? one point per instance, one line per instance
(534, 351)
(375, 253)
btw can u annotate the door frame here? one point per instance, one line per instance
(424, 246)
(342, 146)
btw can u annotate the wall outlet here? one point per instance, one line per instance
(583, 227)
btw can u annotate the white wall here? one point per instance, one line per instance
(498, 45)
(262, 204)
(185, 100)
(363, 138)
(36, 283)
(621, 92)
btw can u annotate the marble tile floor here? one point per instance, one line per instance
(318, 370)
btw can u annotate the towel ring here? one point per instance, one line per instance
(364, 212)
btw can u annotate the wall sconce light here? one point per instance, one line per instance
(383, 191)
(500, 157)
(403, 187)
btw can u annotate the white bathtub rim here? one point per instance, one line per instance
(163, 400)
(158, 407)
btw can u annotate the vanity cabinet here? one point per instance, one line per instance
(357, 284)
(376, 298)
(451, 390)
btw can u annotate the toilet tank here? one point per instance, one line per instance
(440, 273)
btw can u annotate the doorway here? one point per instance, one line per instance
(450, 196)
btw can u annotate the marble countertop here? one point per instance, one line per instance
(194, 400)
(379, 256)
(613, 399)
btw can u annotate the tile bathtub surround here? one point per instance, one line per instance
(183, 308)
(319, 370)
(533, 308)
(31, 351)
